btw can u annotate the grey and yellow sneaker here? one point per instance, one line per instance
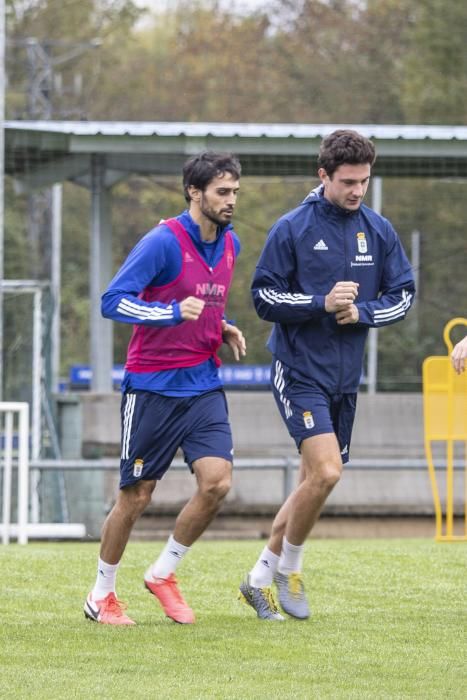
(261, 599)
(291, 592)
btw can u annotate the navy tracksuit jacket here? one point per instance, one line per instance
(307, 251)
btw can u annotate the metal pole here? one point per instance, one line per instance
(57, 191)
(23, 474)
(2, 171)
(36, 376)
(415, 255)
(36, 411)
(7, 472)
(415, 261)
(9, 408)
(101, 349)
(372, 358)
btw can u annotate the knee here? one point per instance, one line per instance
(136, 500)
(142, 500)
(217, 490)
(328, 474)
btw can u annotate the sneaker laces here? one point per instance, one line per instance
(269, 599)
(296, 587)
(171, 582)
(116, 606)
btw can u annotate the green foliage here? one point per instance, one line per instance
(435, 208)
(77, 38)
(193, 64)
(435, 81)
(379, 61)
(394, 606)
(16, 247)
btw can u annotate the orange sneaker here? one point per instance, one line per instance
(172, 601)
(108, 611)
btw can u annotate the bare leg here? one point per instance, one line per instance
(214, 477)
(320, 470)
(131, 502)
(280, 521)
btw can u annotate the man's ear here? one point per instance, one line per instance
(323, 176)
(194, 193)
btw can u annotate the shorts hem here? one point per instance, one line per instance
(228, 458)
(137, 480)
(324, 431)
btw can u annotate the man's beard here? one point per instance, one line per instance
(213, 216)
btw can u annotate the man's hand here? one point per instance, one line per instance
(348, 315)
(459, 356)
(341, 296)
(191, 308)
(235, 339)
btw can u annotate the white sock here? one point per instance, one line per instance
(105, 581)
(262, 573)
(291, 557)
(168, 559)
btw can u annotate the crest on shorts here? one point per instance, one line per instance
(138, 467)
(308, 419)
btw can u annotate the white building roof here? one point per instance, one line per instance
(39, 153)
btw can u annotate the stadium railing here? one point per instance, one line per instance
(15, 456)
(286, 464)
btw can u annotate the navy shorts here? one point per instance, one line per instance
(308, 410)
(154, 427)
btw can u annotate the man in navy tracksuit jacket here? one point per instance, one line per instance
(330, 269)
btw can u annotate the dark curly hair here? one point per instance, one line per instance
(199, 170)
(345, 146)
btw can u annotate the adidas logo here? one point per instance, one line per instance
(321, 245)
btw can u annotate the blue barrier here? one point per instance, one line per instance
(231, 375)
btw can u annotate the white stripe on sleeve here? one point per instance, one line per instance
(272, 297)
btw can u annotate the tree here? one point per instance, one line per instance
(434, 82)
(338, 61)
(52, 47)
(197, 63)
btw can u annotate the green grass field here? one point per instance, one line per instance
(389, 621)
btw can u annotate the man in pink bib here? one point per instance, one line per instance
(173, 288)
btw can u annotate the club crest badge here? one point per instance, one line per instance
(138, 468)
(361, 243)
(308, 419)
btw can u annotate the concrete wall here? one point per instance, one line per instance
(387, 426)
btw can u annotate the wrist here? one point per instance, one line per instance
(176, 312)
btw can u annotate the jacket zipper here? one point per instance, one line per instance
(346, 278)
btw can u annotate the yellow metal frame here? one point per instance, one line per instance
(445, 420)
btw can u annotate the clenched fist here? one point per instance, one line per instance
(191, 308)
(341, 296)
